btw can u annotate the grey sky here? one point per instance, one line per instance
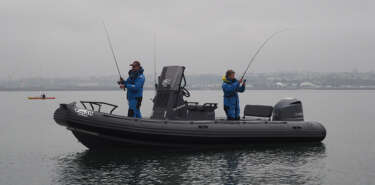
(66, 37)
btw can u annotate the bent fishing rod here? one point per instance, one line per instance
(258, 51)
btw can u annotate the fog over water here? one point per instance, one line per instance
(66, 38)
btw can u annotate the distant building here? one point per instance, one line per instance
(307, 85)
(280, 85)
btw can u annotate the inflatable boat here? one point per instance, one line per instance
(176, 123)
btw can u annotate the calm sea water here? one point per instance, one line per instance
(35, 150)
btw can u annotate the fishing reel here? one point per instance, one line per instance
(121, 81)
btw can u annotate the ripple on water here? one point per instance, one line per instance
(270, 164)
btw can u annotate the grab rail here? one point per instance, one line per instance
(99, 104)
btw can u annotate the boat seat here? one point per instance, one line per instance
(263, 111)
(207, 107)
(194, 111)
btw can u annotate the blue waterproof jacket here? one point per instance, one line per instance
(134, 84)
(231, 100)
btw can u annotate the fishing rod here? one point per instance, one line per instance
(154, 58)
(258, 51)
(113, 53)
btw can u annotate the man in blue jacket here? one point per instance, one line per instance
(231, 87)
(134, 84)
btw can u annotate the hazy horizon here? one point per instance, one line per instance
(150, 75)
(66, 38)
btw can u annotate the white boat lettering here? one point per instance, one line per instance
(84, 112)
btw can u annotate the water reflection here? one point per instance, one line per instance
(270, 164)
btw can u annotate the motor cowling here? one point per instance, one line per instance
(288, 110)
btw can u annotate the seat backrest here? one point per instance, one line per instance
(258, 111)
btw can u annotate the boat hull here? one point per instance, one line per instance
(98, 130)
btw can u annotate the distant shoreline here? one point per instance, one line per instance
(195, 89)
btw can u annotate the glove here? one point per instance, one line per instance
(121, 81)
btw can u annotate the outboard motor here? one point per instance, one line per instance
(288, 110)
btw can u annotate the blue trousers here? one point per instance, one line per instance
(232, 111)
(134, 107)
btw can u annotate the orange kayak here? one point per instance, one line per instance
(41, 98)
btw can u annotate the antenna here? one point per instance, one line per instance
(154, 59)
